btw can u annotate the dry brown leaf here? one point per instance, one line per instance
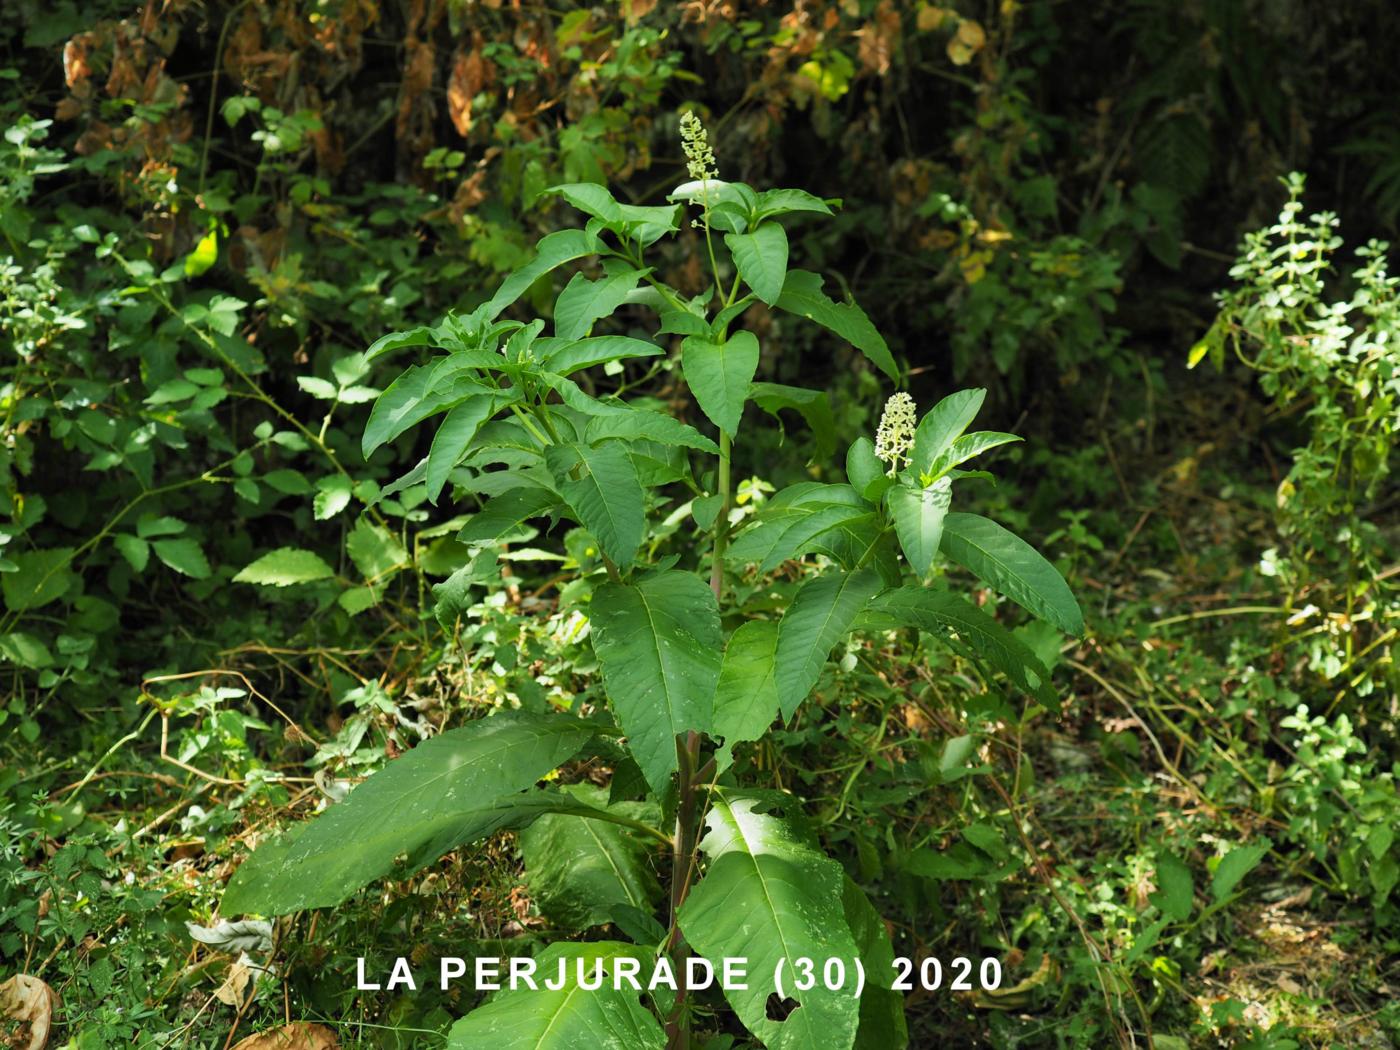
(26, 1012)
(234, 990)
(468, 78)
(299, 1036)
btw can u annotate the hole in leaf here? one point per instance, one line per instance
(779, 1009)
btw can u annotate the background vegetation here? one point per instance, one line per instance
(210, 210)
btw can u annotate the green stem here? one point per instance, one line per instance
(722, 518)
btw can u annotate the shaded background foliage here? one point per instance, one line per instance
(210, 209)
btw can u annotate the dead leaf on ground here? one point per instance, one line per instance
(303, 1035)
(26, 1012)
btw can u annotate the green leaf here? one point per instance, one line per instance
(450, 790)
(659, 644)
(583, 301)
(882, 1025)
(567, 358)
(782, 202)
(505, 514)
(579, 869)
(1235, 865)
(1009, 564)
(802, 295)
(40, 577)
(552, 251)
(22, 648)
(606, 496)
(939, 612)
(812, 405)
(918, 520)
(719, 375)
(284, 567)
(149, 526)
(135, 550)
(746, 695)
(941, 426)
(323, 389)
(183, 555)
(770, 897)
(591, 199)
(421, 391)
(571, 1018)
(783, 532)
(376, 552)
(640, 423)
(1175, 893)
(866, 471)
(332, 496)
(966, 447)
(821, 613)
(454, 435)
(762, 258)
(205, 255)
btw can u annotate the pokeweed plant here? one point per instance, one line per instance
(687, 673)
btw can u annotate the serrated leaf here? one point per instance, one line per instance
(746, 694)
(450, 790)
(319, 388)
(941, 425)
(802, 295)
(606, 495)
(659, 643)
(579, 869)
(135, 550)
(570, 1018)
(1010, 565)
(284, 567)
(376, 551)
(770, 897)
(918, 515)
(332, 496)
(821, 613)
(719, 375)
(148, 526)
(761, 258)
(183, 555)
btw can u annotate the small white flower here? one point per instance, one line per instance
(895, 435)
(695, 140)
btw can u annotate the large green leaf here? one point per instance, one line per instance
(421, 391)
(454, 435)
(788, 532)
(882, 1024)
(600, 483)
(633, 424)
(762, 258)
(719, 375)
(41, 577)
(941, 426)
(572, 1018)
(566, 358)
(802, 295)
(659, 644)
(552, 251)
(583, 301)
(746, 696)
(505, 513)
(966, 447)
(811, 405)
(821, 613)
(446, 792)
(1009, 564)
(771, 897)
(284, 567)
(579, 869)
(939, 612)
(918, 520)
